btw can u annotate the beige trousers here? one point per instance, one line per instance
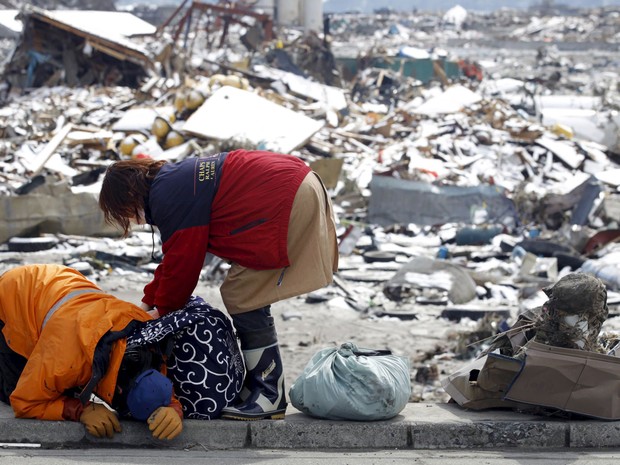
(312, 251)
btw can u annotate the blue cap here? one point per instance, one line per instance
(150, 391)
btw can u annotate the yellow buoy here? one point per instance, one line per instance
(173, 139)
(161, 127)
(179, 101)
(130, 142)
(194, 99)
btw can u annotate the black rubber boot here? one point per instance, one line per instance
(264, 396)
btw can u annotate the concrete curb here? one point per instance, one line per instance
(419, 426)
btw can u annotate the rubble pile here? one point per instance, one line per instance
(464, 182)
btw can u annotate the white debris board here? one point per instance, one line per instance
(563, 150)
(236, 113)
(141, 119)
(330, 96)
(453, 100)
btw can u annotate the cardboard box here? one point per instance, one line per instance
(484, 382)
(571, 380)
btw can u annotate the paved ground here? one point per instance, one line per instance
(420, 426)
(132, 456)
(125, 456)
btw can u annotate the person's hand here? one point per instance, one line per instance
(154, 313)
(165, 423)
(145, 307)
(100, 421)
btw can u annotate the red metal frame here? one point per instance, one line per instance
(226, 14)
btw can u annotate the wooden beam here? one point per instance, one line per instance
(40, 159)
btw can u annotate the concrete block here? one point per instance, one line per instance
(585, 434)
(326, 434)
(209, 435)
(215, 434)
(426, 435)
(46, 433)
(59, 212)
(436, 426)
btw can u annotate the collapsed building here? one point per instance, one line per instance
(79, 48)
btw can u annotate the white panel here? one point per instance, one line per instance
(235, 113)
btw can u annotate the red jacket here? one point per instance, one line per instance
(234, 205)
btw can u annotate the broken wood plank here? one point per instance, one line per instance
(36, 165)
(363, 137)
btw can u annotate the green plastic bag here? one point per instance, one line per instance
(352, 384)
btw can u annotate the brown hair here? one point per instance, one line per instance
(125, 189)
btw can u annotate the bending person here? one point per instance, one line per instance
(64, 339)
(267, 214)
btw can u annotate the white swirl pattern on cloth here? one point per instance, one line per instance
(206, 366)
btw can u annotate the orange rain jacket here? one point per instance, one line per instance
(60, 349)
